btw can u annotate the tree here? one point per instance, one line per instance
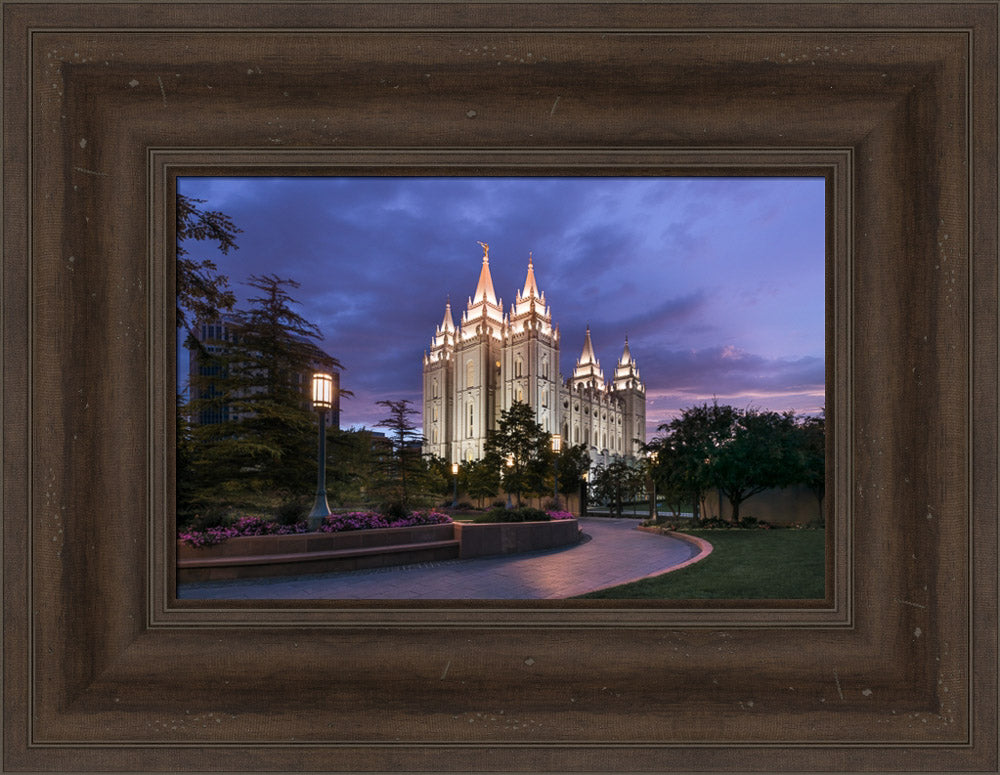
(522, 448)
(574, 461)
(762, 454)
(406, 464)
(481, 478)
(352, 465)
(683, 466)
(255, 381)
(201, 292)
(812, 435)
(615, 483)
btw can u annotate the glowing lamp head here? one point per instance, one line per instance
(510, 461)
(322, 391)
(556, 443)
(454, 469)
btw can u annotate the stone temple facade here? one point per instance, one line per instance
(478, 368)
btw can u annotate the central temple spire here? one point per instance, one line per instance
(484, 290)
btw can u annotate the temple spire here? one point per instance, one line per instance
(626, 354)
(588, 355)
(448, 324)
(530, 286)
(484, 290)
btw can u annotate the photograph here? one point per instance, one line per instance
(501, 388)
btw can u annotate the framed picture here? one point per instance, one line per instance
(107, 105)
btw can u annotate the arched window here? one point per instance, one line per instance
(471, 419)
(545, 398)
(520, 394)
(434, 389)
(545, 367)
(518, 366)
(470, 373)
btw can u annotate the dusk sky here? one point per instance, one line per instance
(718, 282)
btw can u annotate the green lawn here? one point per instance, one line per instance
(745, 564)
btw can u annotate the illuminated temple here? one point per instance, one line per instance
(478, 368)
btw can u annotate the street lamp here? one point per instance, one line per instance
(454, 472)
(556, 448)
(322, 399)
(583, 493)
(654, 512)
(510, 464)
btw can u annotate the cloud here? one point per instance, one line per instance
(684, 267)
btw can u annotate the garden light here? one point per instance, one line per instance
(322, 391)
(322, 399)
(556, 448)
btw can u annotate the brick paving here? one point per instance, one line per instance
(614, 553)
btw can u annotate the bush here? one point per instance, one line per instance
(521, 514)
(291, 512)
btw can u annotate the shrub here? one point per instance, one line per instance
(522, 514)
(559, 515)
(291, 512)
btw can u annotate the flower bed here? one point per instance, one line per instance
(335, 523)
(368, 520)
(244, 526)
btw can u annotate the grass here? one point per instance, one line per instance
(744, 565)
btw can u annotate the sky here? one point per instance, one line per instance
(717, 282)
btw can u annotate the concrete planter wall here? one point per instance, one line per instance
(258, 556)
(479, 540)
(282, 555)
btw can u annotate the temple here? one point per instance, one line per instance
(476, 369)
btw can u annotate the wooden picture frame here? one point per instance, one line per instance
(105, 670)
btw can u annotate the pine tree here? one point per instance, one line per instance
(522, 447)
(406, 465)
(257, 383)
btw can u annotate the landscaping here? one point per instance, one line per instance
(744, 565)
(335, 523)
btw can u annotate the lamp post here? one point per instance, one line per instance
(651, 459)
(510, 464)
(322, 399)
(556, 448)
(454, 473)
(583, 493)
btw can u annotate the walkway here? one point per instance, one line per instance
(616, 553)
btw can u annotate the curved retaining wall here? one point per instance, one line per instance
(480, 540)
(301, 553)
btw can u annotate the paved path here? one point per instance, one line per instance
(615, 553)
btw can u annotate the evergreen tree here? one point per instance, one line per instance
(256, 383)
(522, 447)
(406, 466)
(201, 292)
